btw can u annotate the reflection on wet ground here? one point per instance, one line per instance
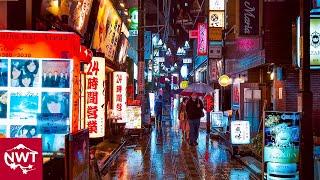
(165, 155)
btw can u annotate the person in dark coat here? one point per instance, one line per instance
(194, 110)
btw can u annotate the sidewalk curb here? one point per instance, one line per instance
(256, 175)
(113, 156)
(230, 149)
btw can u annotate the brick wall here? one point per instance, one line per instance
(290, 87)
(315, 88)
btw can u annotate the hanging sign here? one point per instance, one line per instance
(216, 5)
(215, 52)
(95, 97)
(208, 102)
(119, 95)
(215, 34)
(236, 95)
(249, 17)
(216, 100)
(202, 39)
(314, 42)
(216, 19)
(240, 132)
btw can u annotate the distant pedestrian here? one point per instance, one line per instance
(195, 112)
(158, 109)
(183, 117)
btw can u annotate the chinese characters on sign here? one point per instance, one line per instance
(95, 97)
(202, 39)
(240, 132)
(119, 94)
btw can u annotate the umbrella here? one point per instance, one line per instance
(199, 88)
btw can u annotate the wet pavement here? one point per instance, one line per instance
(165, 155)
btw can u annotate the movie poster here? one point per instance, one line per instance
(3, 104)
(3, 72)
(52, 142)
(24, 105)
(23, 131)
(56, 74)
(24, 73)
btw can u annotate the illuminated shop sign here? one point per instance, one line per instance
(282, 141)
(202, 39)
(217, 120)
(120, 95)
(187, 60)
(75, 13)
(133, 12)
(236, 94)
(216, 5)
(240, 132)
(133, 117)
(315, 42)
(249, 17)
(107, 30)
(216, 19)
(95, 97)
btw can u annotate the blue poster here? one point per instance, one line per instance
(49, 123)
(24, 106)
(25, 131)
(52, 142)
(56, 102)
(147, 45)
(3, 104)
(3, 72)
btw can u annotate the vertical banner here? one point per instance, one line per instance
(249, 17)
(120, 95)
(236, 95)
(141, 77)
(202, 48)
(216, 100)
(282, 142)
(147, 45)
(95, 97)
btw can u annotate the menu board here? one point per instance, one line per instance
(282, 141)
(107, 30)
(133, 117)
(35, 96)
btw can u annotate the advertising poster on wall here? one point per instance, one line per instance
(95, 97)
(281, 148)
(123, 46)
(120, 95)
(240, 132)
(133, 117)
(107, 30)
(37, 100)
(77, 155)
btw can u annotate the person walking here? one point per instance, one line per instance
(194, 112)
(183, 118)
(158, 109)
